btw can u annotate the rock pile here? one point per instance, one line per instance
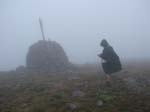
(47, 56)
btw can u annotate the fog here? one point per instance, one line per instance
(78, 25)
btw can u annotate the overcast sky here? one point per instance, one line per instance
(78, 25)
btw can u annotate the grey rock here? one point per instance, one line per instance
(99, 103)
(21, 69)
(71, 106)
(73, 78)
(78, 93)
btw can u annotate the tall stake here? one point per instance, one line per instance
(41, 26)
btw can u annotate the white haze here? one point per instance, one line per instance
(78, 25)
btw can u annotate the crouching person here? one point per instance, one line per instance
(111, 63)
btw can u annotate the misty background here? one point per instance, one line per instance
(78, 25)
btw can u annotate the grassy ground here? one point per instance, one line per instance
(52, 92)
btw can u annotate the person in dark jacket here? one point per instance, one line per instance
(111, 62)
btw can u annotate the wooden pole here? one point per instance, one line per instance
(41, 26)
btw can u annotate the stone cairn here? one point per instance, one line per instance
(47, 56)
